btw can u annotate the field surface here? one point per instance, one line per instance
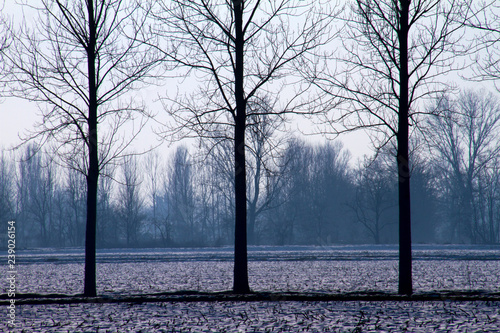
(298, 269)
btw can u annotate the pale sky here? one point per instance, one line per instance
(18, 116)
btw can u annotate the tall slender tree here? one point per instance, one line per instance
(6, 190)
(131, 203)
(181, 195)
(241, 48)
(394, 51)
(78, 60)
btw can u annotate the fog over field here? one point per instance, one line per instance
(308, 194)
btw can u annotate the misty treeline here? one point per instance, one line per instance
(300, 192)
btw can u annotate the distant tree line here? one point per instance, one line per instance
(299, 192)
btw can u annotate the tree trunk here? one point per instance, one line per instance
(251, 223)
(240, 231)
(93, 171)
(377, 227)
(252, 206)
(405, 265)
(491, 215)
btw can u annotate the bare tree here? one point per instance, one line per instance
(60, 222)
(78, 61)
(76, 195)
(38, 173)
(240, 48)
(164, 223)
(374, 197)
(130, 200)
(262, 164)
(108, 224)
(7, 191)
(426, 213)
(394, 53)
(181, 196)
(5, 39)
(487, 204)
(262, 161)
(484, 18)
(283, 219)
(217, 178)
(466, 137)
(155, 176)
(326, 188)
(307, 205)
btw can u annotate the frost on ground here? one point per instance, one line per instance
(329, 270)
(333, 269)
(355, 316)
(276, 276)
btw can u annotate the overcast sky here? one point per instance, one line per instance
(18, 116)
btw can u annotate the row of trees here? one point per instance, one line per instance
(82, 57)
(300, 193)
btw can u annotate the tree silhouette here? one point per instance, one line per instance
(5, 38)
(374, 197)
(131, 203)
(394, 51)
(465, 136)
(78, 61)
(484, 18)
(241, 49)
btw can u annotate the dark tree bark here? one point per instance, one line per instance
(405, 280)
(395, 50)
(241, 47)
(78, 60)
(240, 282)
(93, 173)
